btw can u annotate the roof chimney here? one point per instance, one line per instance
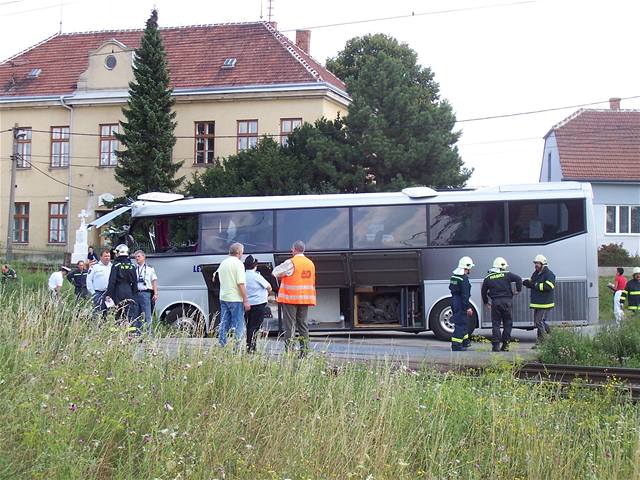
(614, 103)
(303, 40)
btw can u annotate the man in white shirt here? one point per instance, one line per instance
(147, 289)
(233, 294)
(56, 280)
(98, 281)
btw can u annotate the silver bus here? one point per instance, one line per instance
(383, 260)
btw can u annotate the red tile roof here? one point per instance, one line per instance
(600, 145)
(194, 54)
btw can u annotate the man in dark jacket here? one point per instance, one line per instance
(460, 289)
(542, 285)
(497, 287)
(123, 287)
(78, 278)
(631, 292)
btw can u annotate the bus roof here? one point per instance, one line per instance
(537, 191)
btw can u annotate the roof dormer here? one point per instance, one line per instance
(110, 67)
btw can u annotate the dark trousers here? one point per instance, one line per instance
(460, 336)
(254, 318)
(501, 316)
(539, 320)
(294, 320)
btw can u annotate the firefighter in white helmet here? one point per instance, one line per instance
(542, 285)
(460, 304)
(497, 288)
(123, 287)
(631, 293)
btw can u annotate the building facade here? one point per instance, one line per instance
(62, 101)
(601, 147)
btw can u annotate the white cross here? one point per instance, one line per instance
(82, 215)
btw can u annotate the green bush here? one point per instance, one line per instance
(615, 255)
(613, 345)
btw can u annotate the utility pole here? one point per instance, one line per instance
(12, 192)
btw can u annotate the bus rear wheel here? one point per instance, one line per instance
(187, 320)
(441, 320)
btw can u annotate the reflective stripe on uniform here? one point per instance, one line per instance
(541, 287)
(634, 307)
(542, 305)
(456, 277)
(456, 340)
(466, 336)
(296, 297)
(635, 293)
(550, 284)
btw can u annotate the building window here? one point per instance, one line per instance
(21, 223)
(549, 166)
(623, 219)
(24, 147)
(205, 136)
(108, 145)
(59, 146)
(57, 222)
(247, 134)
(288, 125)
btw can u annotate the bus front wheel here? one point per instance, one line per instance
(441, 320)
(185, 319)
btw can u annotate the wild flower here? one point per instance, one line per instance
(168, 407)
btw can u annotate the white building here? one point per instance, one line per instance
(601, 147)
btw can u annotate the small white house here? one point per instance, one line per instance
(601, 147)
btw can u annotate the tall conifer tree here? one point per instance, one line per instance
(146, 164)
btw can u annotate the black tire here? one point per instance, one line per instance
(441, 323)
(187, 320)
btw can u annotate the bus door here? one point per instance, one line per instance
(213, 289)
(333, 298)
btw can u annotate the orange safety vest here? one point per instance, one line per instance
(299, 288)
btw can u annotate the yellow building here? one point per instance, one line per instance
(62, 99)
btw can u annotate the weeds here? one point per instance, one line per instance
(82, 400)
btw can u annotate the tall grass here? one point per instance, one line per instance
(82, 400)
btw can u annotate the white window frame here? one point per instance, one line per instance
(617, 220)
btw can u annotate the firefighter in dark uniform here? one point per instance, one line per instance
(542, 284)
(78, 278)
(497, 287)
(461, 305)
(631, 293)
(123, 287)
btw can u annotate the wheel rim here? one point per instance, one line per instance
(185, 323)
(446, 319)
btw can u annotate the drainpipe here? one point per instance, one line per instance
(70, 108)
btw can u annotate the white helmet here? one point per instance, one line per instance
(500, 263)
(636, 270)
(466, 262)
(121, 250)
(540, 259)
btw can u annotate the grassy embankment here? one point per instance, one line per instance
(81, 402)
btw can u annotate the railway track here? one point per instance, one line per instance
(627, 379)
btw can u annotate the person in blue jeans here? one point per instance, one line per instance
(234, 300)
(461, 305)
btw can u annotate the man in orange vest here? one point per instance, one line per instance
(297, 292)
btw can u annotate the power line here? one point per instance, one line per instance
(412, 14)
(532, 112)
(51, 177)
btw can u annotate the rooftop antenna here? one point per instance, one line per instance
(270, 10)
(260, 9)
(60, 29)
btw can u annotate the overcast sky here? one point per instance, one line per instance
(490, 57)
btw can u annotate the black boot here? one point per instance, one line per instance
(505, 347)
(495, 347)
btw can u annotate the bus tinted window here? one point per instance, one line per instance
(544, 221)
(253, 229)
(390, 227)
(170, 235)
(318, 228)
(467, 224)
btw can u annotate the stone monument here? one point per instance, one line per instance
(80, 247)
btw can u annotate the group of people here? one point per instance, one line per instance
(244, 291)
(131, 287)
(625, 292)
(497, 293)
